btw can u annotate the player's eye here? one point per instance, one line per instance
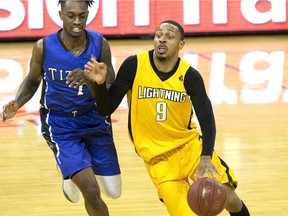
(157, 36)
(70, 16)
(170, 37)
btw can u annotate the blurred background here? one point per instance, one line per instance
(239, 47)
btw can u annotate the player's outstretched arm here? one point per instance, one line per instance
(29, 85)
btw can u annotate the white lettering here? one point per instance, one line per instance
(219, 93)
(109, 11)
(14, 75)
(277, 13)
(192, 15)
(80, 90)
(61, 74)
(141, 13)
(35, 14)
(74, 113)
(58, 74)
(16, 17)
(53, 10)
(52, 70)
(191, 12)
(261, 74)
(192, 59)
(220, 11)
(262, 85)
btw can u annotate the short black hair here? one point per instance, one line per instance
(89, 2)
(180, 28)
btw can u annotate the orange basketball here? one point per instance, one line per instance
(207, 197)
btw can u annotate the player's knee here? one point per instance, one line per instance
(113, 193)
(234, 203)
(111, 186)
(91, 194)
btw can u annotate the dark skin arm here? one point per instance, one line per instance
(29, 85)
(107, 59)
(77, 78)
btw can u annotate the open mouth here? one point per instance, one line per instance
(162, 49)
(76, 29)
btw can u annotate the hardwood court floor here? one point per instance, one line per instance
(246, 78)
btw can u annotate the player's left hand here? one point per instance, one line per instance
(76, 78)
(205, 167)
(95, 70)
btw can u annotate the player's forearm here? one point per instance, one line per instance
(103, 99)
(91, 85)
(208, 134)
(110, 76)
(26, 91)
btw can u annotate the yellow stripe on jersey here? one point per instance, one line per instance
(157, 123)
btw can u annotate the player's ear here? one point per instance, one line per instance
(181, 44)
(60, 15)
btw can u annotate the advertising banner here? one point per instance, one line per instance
(36, 18)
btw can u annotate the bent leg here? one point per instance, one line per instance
(174, 196)
(86, 182)
(111, 186)
(234, 205)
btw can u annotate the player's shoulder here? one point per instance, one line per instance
(131, 58)
(93, 33)
(39, 44)
(189, 68)
(50, 39)
(129, 64)
(97, 38)
(52, 35)
(144, 54)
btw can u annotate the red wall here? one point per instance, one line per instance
(30, 18)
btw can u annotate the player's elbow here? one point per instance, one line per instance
(104, 111)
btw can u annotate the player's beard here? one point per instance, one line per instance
(160, 58)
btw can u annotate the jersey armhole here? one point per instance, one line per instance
(44, 49)
(100, 48)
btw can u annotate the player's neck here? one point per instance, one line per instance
(74, 45)
(165, 64)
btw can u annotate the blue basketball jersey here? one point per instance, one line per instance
(71, 125)
(58, 62)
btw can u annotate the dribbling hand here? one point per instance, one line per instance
(206, 167)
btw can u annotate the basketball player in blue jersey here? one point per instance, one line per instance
(79, 137)
(163, 87)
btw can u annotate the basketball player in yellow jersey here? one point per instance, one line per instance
(161, 88)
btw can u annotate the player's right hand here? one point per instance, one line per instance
(206, 167)
(9, 110)
(76, 78)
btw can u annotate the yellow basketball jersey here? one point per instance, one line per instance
(160, 117)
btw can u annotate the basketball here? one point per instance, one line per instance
(207, 197)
